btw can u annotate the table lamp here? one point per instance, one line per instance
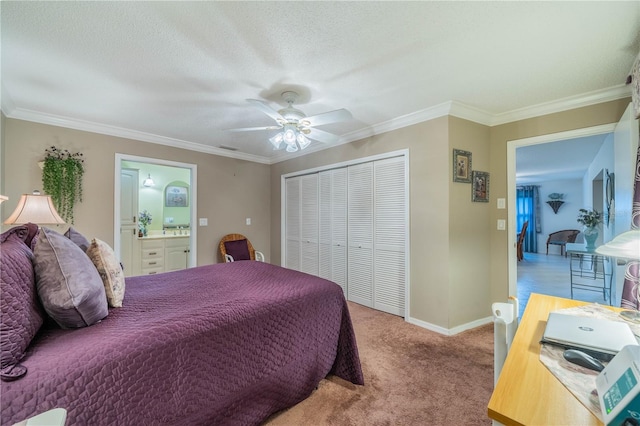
(35, 208)
(624, 246)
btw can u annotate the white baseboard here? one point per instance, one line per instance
(450, 331)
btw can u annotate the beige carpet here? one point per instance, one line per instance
(412, 377)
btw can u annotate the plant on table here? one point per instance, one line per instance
(144, 220)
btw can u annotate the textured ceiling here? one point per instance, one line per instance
(178, 73)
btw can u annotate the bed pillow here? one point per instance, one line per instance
(238, 249)
(80, 240)
(21, 315)
(68, 284)
(104, 259)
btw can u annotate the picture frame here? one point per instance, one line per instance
(176, 196)
(461, 166)
(480, 186)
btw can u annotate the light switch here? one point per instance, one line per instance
(502, 224)
(203, 221)
(501, 203)
(248, 221)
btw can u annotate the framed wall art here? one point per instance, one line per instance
(176, 196)
(461, 166)
(480, 186)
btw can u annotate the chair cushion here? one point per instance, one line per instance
(68, 283)
(21, 315)
(238, 249)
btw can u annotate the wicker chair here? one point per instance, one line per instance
(561, 238)
(238, 246)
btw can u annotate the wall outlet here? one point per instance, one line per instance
(203, 221)
(248, 221)
(502, 224)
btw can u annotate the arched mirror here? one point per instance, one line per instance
(176, 212)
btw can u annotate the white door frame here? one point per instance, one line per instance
(511, 185)
(193, 255)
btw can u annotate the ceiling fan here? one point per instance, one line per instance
(296, 127)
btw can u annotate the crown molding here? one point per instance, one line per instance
(586, 99)
(89, 126)
(451, 108)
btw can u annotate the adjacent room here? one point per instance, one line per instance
(300, 213)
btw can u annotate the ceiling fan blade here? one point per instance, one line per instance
(328, 117)
(266, 109)
(250, 129)
(322, 136)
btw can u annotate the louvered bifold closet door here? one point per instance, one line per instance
(332, 201)
(360, 234)
(389, 235)
(324, 237)
(339, 227)
(292, 223)
(309, 224)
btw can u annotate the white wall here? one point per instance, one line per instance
(592, 184)
(567, 214)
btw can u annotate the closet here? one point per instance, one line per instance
(349, 224)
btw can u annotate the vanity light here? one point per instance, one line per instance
(148, 181)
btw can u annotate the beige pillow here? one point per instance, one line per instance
(103, 257)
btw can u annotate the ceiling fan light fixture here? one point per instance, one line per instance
(292, 148)
(289, 135)
(276, 141)
(303, 141)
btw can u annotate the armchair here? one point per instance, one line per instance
(237, 247)
(561, 238)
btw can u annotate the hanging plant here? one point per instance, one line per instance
(62, 179)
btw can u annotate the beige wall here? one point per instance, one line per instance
(430, 172)
(469, 228)
(229, 190)
(458, 262)
(595, 115)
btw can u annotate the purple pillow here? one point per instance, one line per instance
(79, 239)
(68, 283)
(21, 315)
(238, 249)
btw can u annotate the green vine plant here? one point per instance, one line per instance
(62, 179)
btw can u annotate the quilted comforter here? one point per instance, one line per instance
(229, 343)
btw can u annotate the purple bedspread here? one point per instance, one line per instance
(229, 343)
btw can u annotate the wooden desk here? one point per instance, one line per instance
(527, 393)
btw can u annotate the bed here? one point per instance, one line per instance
(228, 343)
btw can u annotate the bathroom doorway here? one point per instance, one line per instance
(163, 194)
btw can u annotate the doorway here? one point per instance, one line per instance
(585, 199)
(169, 200)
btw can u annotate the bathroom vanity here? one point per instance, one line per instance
(163, 253)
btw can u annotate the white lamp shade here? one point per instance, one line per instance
(624, 246)
(303, 141)
(276, 141)
(35, 209)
